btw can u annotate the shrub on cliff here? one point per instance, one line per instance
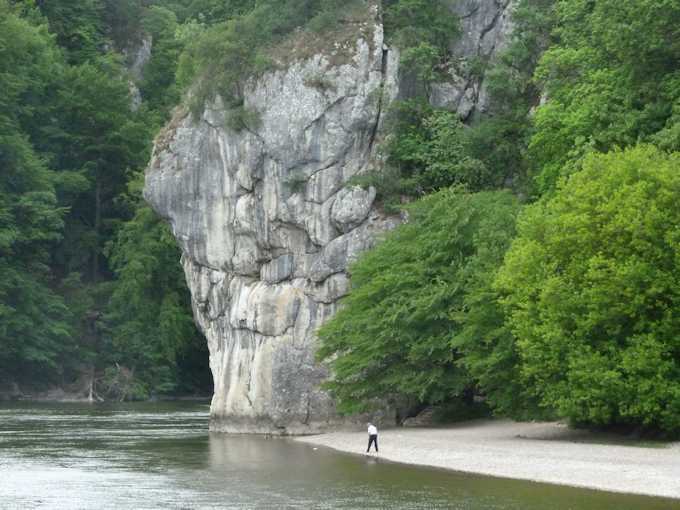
(431, 149)
(223, 57)
(592, 290)
(423, 31)
(393, 337)
(427, 150)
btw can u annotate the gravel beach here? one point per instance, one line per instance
(542, 452)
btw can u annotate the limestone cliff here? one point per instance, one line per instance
(268, 224)
(485, 29)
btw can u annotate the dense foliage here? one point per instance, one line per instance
(428, 150)
(423, 31)
(153, 331)
(592, 289)
(34, 326)
(69, 145)
(410, 298)
(612, 80)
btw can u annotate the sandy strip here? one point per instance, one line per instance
(542, 452)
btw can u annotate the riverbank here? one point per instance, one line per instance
(60, 395)
(540, 452)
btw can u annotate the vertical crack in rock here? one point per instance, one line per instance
(383, 75)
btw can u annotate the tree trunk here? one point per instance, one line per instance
(97, 226)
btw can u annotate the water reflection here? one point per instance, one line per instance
(160, 456)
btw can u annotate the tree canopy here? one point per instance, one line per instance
(70, 145)
(612, 80)
(394, 336)
(592, 286)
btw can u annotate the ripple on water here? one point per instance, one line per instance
(145, 456)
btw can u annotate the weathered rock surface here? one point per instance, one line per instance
(269, 222)
(137, 55)
(485, 27)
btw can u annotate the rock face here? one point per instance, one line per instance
(268, 222)
(137, 55)
(485, 29)
(268, 225)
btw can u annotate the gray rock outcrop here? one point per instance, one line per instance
(268, 222)
(485, 29)
(268, 225)
(137, 55)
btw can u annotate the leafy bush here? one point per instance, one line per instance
(242, 118)
(427, 150)
(412, 23)
(423, 31)
(296, 183)
(319, 82)
(393, 338)
(592, 289)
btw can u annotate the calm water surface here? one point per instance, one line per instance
(153, 456)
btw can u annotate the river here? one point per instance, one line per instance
(160, 456)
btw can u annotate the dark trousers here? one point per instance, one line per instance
(373, 439)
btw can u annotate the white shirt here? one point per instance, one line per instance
(372, 430)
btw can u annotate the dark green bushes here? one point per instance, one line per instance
(423, 31)
(90, 284)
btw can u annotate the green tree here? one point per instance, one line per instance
(148, 320)
(592, 287)
(123, 20)
(423, 31)
(78, 26)
(431, 150)
(611, 81)
(68, 146)
(158, 87)
(34, 328)
(99, 139)
(394, 336)
(210, 11)
(480, 334)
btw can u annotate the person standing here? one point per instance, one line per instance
(372, 437)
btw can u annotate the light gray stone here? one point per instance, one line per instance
(279, 269)
(351, 207)
(485, 26)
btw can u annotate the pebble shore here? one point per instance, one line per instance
(541, 452)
